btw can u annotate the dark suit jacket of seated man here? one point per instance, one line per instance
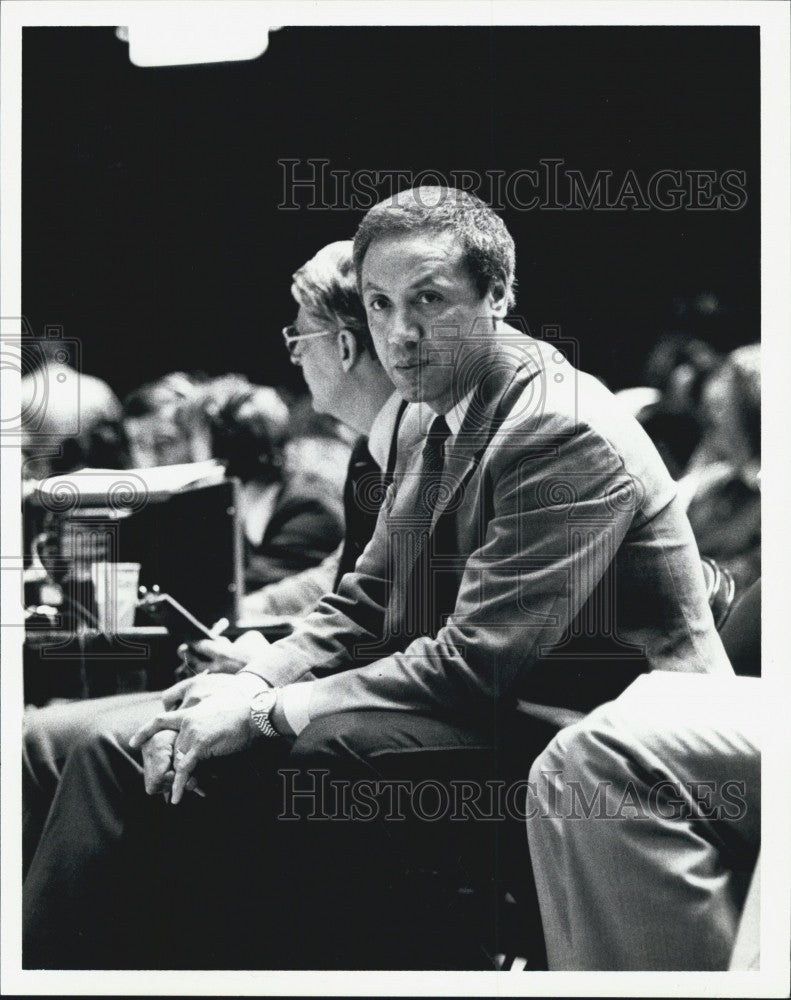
(558, 565)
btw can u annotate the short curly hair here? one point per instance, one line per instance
(178, 393)
(327, 286)
(249, 425)
(489, 252)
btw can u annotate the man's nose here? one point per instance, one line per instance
(405, 329)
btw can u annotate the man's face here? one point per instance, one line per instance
(156, 439)
(417, 289)
(318, 358)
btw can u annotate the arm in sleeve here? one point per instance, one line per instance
(306, 526)
(326, 639)
(557, 521)
(296, 594)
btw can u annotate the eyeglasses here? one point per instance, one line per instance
(292, 338)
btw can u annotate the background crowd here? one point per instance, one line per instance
(700, 407)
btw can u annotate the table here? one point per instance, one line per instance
(89, 664)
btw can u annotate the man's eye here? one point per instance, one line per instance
(428, 298)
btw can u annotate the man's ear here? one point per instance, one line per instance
(348, 351)
(498, 298)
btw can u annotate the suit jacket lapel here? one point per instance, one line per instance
(501, 380)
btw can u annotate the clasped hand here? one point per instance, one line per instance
(205, 716)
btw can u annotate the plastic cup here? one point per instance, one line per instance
(115, 595)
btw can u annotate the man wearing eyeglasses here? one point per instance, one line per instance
(63, 744)
(331, 344)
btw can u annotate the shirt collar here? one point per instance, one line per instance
(455, 417)
(382, 428)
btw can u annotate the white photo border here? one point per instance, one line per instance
(772, 980)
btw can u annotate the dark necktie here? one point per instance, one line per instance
(431, 485)
(418, 611)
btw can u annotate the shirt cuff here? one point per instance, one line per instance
(278, 665)
(254, 673)
(295, 702)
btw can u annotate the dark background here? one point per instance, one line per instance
(150, 221)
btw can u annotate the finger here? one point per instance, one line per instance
(173, 696)
(184, 766)
(160, 744)
(210, 648)
(193, 786)
(198, 653)
(159, 782)
(157, 754)
(165, 720)
(219, 627)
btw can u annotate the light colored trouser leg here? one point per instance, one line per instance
(747, 948)
(69, 886)
(647, 888)
(51, 734)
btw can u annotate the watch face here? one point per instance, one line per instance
(264, 701)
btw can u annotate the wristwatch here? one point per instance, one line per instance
(260, 711)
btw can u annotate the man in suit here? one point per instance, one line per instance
(347, 381)
(532, 546)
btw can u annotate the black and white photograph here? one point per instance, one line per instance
(383, 599)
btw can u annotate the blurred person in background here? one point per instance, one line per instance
(292, 513)
(722, 485)
(69, 420)
(677, 366)
(291, 519)
(668, 404)
(165, 422)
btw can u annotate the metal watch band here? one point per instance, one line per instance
(260, 710)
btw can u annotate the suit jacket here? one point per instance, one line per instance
(306, 526)
(363, 494)
(560, 565)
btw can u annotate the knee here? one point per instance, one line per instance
(48, 737)
(337, 740)
(578, 751)
(35, 738)
(321, 740)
